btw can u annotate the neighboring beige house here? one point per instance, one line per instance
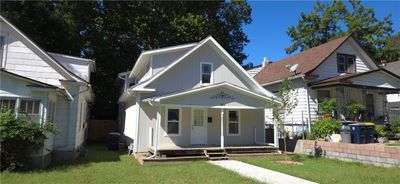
(191, 95)
(338, 69)
(47, 87)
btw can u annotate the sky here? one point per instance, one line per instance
(271, 20)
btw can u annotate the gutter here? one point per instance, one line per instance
(279, 81)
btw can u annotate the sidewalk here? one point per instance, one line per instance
(258, 173)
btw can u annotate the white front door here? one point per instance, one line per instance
(199, 126)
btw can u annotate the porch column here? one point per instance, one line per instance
(158, 126)
(222, 128)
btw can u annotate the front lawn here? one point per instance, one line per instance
(102, 166)
(324, 170)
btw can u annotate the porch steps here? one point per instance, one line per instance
(253, 150)
(216, 154)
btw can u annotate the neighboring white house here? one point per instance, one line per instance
(47, 87)
(193, 94)
(338, 69)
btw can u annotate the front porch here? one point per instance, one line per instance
(369, 89)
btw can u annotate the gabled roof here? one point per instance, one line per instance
(213, 86)
(219, 49)
(344, 79)
(307, 60)
(43, 54)
(393, 67)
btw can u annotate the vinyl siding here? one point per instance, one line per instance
(160, 61)
(23, 61)
(187, 73)
(329, 67)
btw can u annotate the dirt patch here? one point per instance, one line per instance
(283, 162)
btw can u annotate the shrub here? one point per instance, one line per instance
(395, 124)
(354, 109)
(380, 131)
(19, 138)
(327, 106)
(324, 128)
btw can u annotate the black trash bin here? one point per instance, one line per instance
(113, 140)
(362, 133)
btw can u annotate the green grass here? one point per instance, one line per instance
(102, 166)
(324, 170)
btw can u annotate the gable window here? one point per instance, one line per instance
(206, 73)
(346, 63)
(31, 108)
(173, 121)
(233, 122)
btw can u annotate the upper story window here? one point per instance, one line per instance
(2, 49)
(346, 63)
(206, 73)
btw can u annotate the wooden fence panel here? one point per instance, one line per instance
(99, 129)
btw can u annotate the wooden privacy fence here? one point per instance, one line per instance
(99, 129)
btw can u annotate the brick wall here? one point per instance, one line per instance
(376, 154)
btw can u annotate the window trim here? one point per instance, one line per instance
(166, 134)
(346, 63)
(227, 123)
(18, 105)
(211, 74)
(4, 54)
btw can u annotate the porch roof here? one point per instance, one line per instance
(383, 79)
(219, 95)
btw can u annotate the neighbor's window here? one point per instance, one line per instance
(173, 121)
(2, 43)
(31, 108)
(323, 95)
(346, 63)
(7, 104)
(233, 122)
(206, 73)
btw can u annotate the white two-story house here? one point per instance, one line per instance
(339, 69)
(192, 95)
(46, 87)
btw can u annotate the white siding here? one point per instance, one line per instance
(23, 61)
(130, 122)
(299, 113)
(377, 79)
(252, 72)
(76, 66)
(187, 73)
(160, 61)
(329, 67)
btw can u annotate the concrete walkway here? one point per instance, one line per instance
(258, 173)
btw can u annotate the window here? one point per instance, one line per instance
(206, 73)
(173, 121)
(233, 123)
(31, 108)
(323, 95)
(346, 63)
(2, 44)
(7, 104)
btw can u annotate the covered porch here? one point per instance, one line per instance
(219, 118)
(369, 89)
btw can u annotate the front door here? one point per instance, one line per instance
(199, 127)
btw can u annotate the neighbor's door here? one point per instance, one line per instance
(199, 127)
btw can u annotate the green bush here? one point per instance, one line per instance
(324, 128)
(395, 124)
(327, 106)
(380, 131)
(19, 138)
(353, 110)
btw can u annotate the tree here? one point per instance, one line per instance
(330, 20)
(114, 33)
(287, 102)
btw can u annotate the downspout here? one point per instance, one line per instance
(157, 131)
(308, 104)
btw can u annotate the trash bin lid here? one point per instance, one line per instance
(362, 124)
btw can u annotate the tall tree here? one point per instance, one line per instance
(330, 20)
(114, 33)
